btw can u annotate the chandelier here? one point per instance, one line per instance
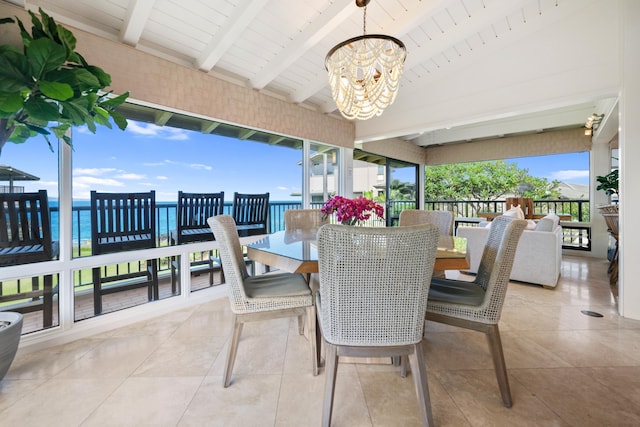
(364, 72)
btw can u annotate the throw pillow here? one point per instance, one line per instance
(545, 224)
(515, 212)
(555, 218)
(531, 225)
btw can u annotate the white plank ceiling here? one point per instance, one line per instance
(278, 46)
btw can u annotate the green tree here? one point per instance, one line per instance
(492, 180)
(401, 190)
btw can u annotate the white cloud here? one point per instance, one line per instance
(133, 176)
(199, 166)
(92, 171)
(177, 134)
(162, 177)
(567, 175)
(83, 181)
(149, 129)
(283, 188)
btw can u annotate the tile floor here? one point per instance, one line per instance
(565, 368)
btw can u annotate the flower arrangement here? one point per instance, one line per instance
(351, 211)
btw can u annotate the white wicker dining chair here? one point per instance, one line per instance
(477, 305)
(255, 298)
(304, 219)
(373, 292)
(443, 219)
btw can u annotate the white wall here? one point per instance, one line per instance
(629, 298)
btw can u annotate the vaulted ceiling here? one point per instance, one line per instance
(458, 51)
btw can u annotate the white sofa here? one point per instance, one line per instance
(538, 257)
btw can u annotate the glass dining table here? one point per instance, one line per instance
(296, 252)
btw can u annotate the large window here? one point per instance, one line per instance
(187, 154)
(163, 152)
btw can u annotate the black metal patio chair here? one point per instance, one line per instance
(123, 222)
(193, 210)
(25, 237)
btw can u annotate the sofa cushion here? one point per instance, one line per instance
(538, 256)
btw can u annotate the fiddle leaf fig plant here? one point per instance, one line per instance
(47, 87)
(608, 183)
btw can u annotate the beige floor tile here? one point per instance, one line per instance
(583, 348)
(625, 380)
(298, 356)
(206, 323)
(12, 391)
(116, 357)
(300, 401)
(146, 402)
(60, 402)
(256, 355)
(457, 350)
(251, 401)
(390, 398)
(520, 352)
(182, 356)
(45, 364)
(578, 398)
(476, 394)
(350, 408)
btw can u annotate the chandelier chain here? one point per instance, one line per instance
(364, 21)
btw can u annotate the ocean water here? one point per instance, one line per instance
(165, 220)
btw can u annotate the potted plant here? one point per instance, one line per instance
(48, 87)
(609, 184)
(10, 330)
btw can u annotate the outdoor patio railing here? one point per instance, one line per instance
(577, 232)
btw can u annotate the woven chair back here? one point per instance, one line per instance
(442, 219)
(374, 283)
(304, 219)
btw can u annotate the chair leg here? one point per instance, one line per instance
(403, 366)
(233, 350)
(495, 345)
(331, 369)
(419, 372)
(311, 327)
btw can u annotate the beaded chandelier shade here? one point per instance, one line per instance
(364, 72)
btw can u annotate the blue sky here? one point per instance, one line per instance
(572, 168)
(146, 157)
